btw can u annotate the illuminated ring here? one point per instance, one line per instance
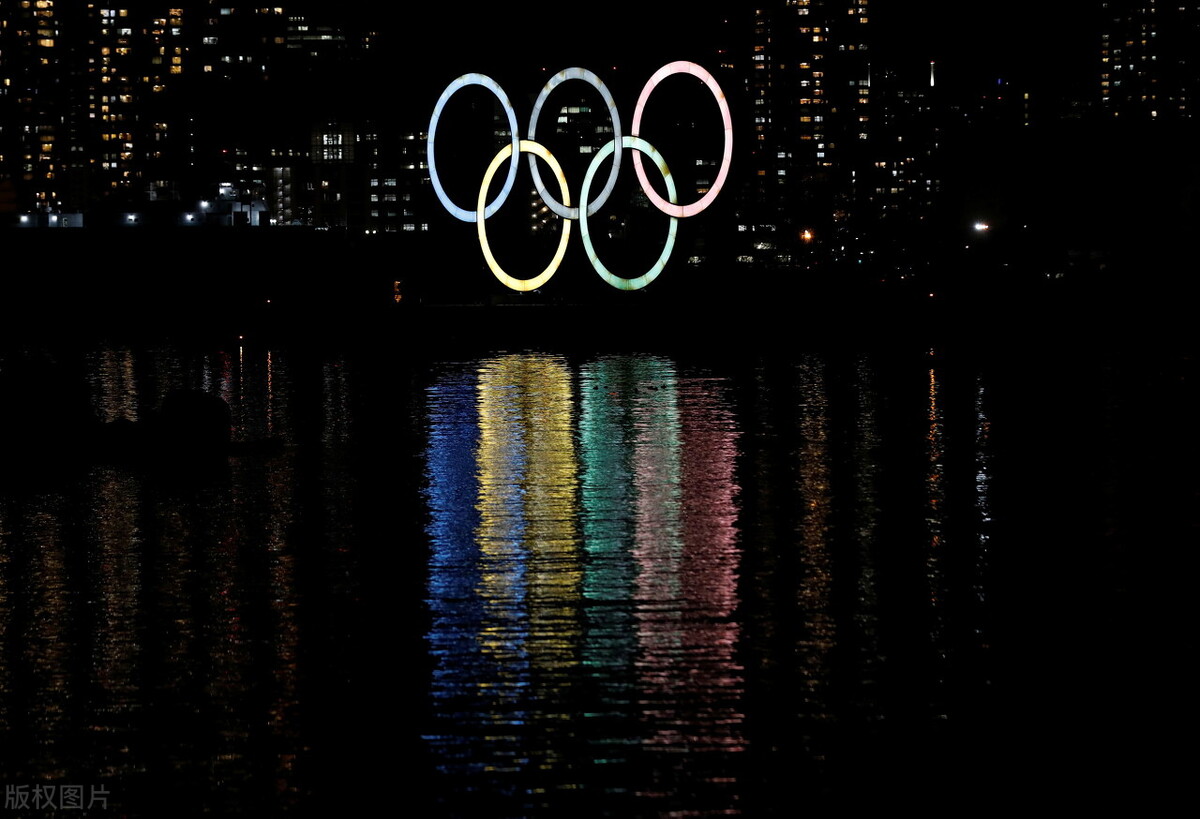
(619, 282)
(490, 84)
(530, 147)
(590, 78)
(684, 67)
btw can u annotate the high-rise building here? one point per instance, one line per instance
(896, 188)
(133, 60)
(42, 111)
(109, 107)
(808, 84)
(1150, 59)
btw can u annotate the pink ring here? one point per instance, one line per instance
(684, 67)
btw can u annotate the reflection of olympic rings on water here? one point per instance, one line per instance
(615, 147)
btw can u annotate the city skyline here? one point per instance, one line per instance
(858, 122)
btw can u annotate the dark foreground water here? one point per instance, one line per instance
(626, 584)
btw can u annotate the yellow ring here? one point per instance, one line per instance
(527, 146)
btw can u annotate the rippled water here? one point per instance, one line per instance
(583, 582)
(620, 585)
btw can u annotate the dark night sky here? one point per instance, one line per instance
(494, 35)
(1041, 42)
(1038, 41)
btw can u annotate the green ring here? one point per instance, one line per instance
(620, 282)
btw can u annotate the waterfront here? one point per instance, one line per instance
(632, 583)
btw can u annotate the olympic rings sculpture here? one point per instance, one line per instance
(616, 148)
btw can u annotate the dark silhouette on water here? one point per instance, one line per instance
(192, 426)
(51, 429)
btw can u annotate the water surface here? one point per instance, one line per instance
(634, 584)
